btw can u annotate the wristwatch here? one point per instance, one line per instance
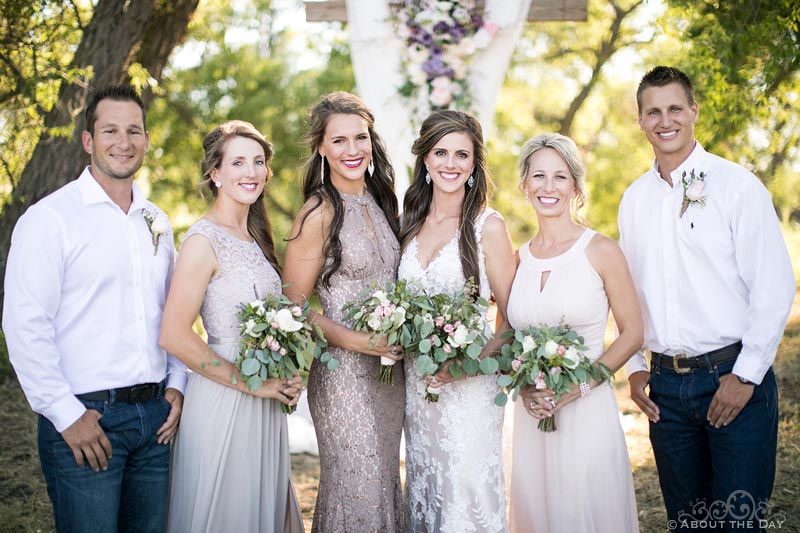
(744, 380)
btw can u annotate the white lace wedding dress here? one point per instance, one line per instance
(454, 472)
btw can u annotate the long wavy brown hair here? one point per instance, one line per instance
(380, 183)
(214, 144)
(419, 195)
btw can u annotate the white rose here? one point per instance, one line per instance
(572, 357)
(696, 191)
(459, 337)
(528, 344)
(249, 325)
(286, 321)
(269, 316)
(160, 223)
(466, 47)
(374, 322)
(550, 348)
(399, 314)
(380, 295)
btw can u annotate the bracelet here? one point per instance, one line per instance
(584, 388)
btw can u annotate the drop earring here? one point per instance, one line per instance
(322, 169)
(427, 176)
(371, 167)
(471, 180)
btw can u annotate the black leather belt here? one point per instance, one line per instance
(683, 364)
(133, 394)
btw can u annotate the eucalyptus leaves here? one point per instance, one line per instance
(278, 341)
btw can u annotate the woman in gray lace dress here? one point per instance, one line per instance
(230, 469)
(343, 240)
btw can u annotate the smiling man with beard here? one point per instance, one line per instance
(87, 275)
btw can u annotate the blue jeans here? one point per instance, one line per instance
(713, 479)
(131, 495)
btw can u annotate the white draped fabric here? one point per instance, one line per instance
(375, 50)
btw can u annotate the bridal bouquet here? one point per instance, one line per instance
(547, 357)
(384, 313)
(278, 341)
(451, 330)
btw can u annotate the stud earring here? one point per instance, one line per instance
(371, 167)
(471, 180)
(322, 169)
(218, 184)
(427, 176)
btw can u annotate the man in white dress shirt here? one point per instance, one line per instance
(87, 275)
(716, 286)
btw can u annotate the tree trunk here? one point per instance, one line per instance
(119, 33)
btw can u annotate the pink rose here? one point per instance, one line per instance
(556, 370)
(296, 311)
(561, 350)
(515, 364)
(275, 325)
(283, 351)
(449, 328)
(447, 348)
(539, 381)
(439, 321)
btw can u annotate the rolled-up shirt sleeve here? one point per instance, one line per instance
(33, 282)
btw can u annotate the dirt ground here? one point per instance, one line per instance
(24, 506)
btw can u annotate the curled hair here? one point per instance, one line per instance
(118, 93)
(380, 183)
(419, 195)
(659, 77)
(214, 146)
(568, 151)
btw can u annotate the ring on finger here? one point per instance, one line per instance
(394, 350)
(551, 402)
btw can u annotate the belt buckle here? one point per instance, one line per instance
(677, 357)
(141, 393)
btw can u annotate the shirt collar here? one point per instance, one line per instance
(694, 161)
(93, 193)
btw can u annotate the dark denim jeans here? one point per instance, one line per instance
(131, 496)
(713, 479)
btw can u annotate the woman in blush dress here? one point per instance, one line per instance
(454, 474)
(344, 240)
(577, 478)
(230, 468)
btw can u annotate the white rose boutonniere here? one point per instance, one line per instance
(694, 189)
(158, 224)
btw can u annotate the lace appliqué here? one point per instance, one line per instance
(453, 447)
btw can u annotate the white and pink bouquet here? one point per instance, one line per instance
(384, 313)
(546, 357)
(451, 331)
(278, 341)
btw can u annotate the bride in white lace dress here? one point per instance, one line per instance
(454, 474)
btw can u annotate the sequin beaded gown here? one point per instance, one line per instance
(454, 469)
(230, 467)
(358, 420)
(578, 478)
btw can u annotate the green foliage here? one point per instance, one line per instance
(256, 81)
(37, 41)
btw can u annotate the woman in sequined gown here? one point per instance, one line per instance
(576, 479)
(230, 468)
(454, 474)
(344, 240)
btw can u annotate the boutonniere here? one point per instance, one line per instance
(158, 224)
(694, 189)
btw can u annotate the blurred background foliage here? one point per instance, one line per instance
(258, 60)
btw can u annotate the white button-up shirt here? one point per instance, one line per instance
(718, 274)
(84, 294)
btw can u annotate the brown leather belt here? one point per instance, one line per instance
(683, 364)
